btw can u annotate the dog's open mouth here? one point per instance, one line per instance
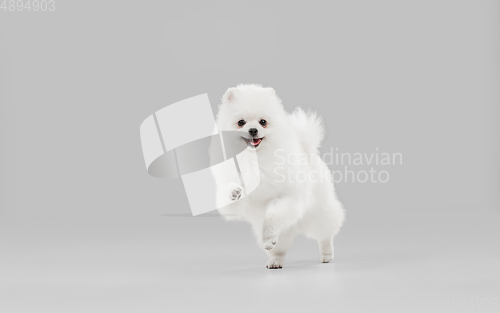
(253, 142)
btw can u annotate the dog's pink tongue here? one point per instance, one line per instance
(255, 142)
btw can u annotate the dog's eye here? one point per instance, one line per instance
(241, 123)
(263, 122)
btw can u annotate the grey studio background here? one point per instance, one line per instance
(84, 228)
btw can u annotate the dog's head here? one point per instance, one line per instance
(254, 111)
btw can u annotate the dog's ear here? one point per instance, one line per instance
(272, 91)
(229, 96)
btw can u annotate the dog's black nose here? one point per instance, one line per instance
(253, 131)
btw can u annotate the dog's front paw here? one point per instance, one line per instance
(274, 263)
(236, 194)
(228, 194)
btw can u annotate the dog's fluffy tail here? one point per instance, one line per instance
(310, 129)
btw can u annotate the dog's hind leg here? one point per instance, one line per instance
(326, 250)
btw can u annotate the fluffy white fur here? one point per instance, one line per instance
(280, 208)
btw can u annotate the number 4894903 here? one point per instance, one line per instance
(28, 5)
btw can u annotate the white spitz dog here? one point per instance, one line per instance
(296, 193)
